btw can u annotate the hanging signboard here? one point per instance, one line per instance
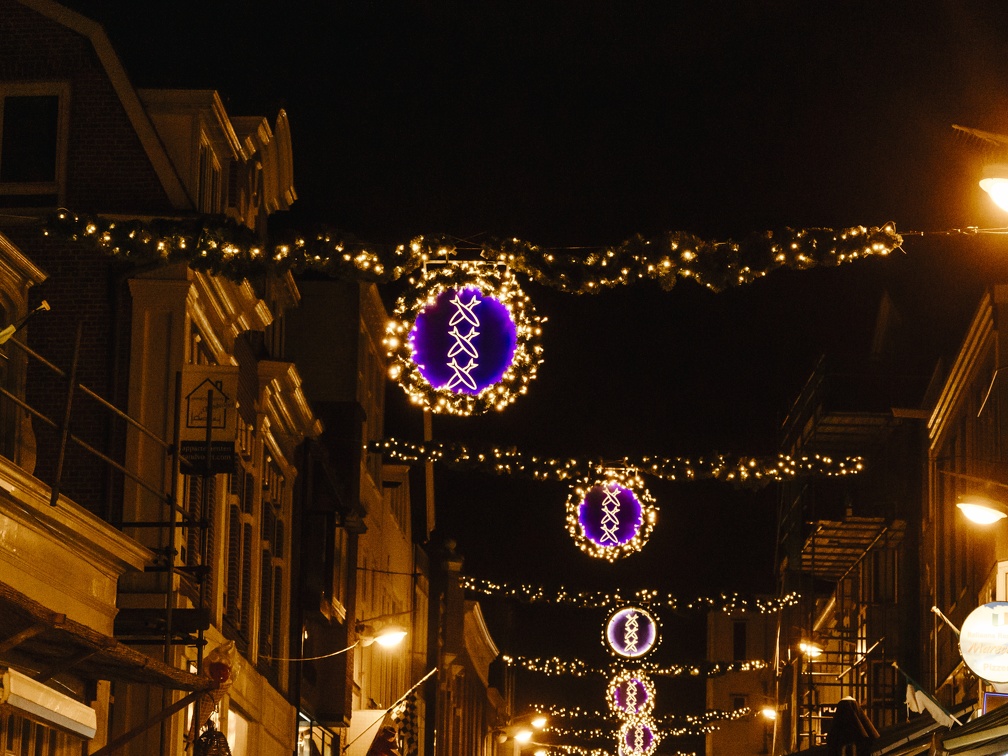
(983, 641)
(209, 418)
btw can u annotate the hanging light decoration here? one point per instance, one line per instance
(612, 516)
(637, 737)
(466, 338)
(630, 632)
(631, 694)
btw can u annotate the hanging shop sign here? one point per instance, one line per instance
(983, 641)
(631, 694)
(631, 632)
(466, 339)
(637, 737)
(209, 419)
(612, 517)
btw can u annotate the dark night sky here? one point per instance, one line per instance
(583, 123)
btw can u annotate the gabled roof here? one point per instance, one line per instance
(127, 95)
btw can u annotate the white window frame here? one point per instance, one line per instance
(61, 90)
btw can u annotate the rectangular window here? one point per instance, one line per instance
(19, 736)
(739, 640)
(33, 128)
(208, 180)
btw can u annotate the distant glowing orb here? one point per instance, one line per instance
(631, 632)
(637, 737)
(631, 694)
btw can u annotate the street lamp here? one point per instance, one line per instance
(388, 636)
(519, 730)
(981, 510)
(995, 183)
(811, 649)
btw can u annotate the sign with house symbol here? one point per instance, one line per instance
(209, 418)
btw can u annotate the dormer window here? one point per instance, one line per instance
(33, 126)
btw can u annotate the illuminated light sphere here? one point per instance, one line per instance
(467, 339)
(611, 518)
(631, 694)
(631, 632)
(637, 737)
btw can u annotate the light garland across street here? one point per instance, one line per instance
(533, 594)
(219, 245)
(555, 666)
(740, 470)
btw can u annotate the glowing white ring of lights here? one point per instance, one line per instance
(641, 612)
(628, 479)
(625, 676)
(492, 281)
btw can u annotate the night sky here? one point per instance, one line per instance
(580, 124)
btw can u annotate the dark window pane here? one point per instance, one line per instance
(739, 640)
(28, 152)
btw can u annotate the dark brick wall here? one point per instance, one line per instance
(107, 168)
(107, 171)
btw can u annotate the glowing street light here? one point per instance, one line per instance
(980, 510)
(810, 649)
(995, 183)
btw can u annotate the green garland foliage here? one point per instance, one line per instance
(219, 245)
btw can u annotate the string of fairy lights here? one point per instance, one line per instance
(561, 596)
(735, 469)
(707, 717)
(221, 246)
(555, 666)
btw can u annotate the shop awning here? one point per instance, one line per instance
(43, 642)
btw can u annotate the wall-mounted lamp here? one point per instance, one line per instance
(521, 729)
(976, 504)
(995, 183)
(387, 636)
(810, 649)
(981, 510)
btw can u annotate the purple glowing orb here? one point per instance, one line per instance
(637, 738)
(465, 341)
(631, 697)
(610, 515)
(631, 632)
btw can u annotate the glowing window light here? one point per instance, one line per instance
(631, 632)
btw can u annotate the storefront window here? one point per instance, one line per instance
(237, 733)
(22, 737)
